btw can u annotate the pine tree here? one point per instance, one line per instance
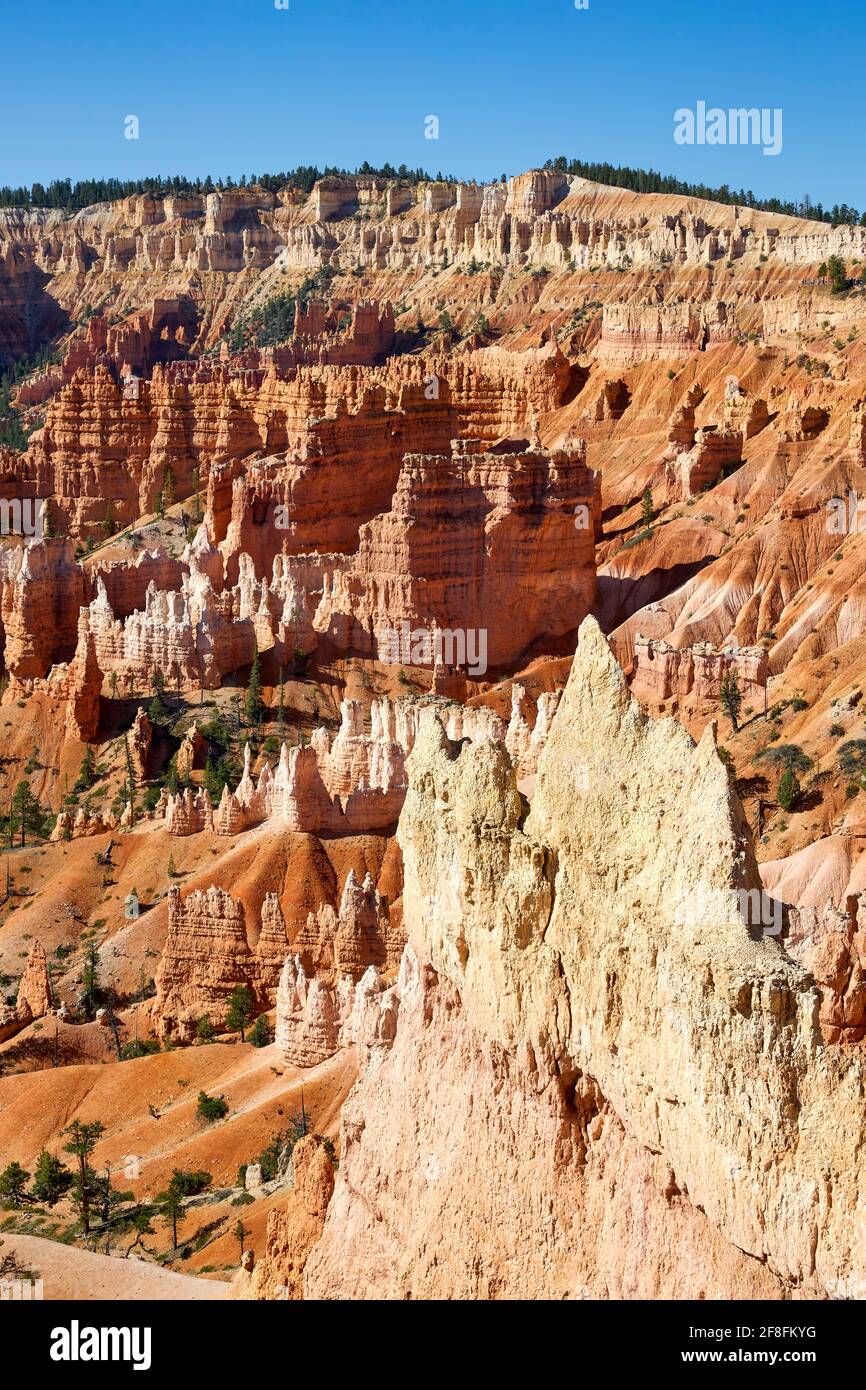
(260, 1033)
(240, 1010)
(731, 698)
(204, 1029)
(141, 1220)
(90, 990)
(838, 273)
(13, 1185)
(51, 1179)
(254, 705)
(646, 507)
(82, 1142)
(168, 488)
(130, 771)
(26, 813)
(171, 870)
(173, 1210)
(240, 1234)
(210, 779)
(87, 772)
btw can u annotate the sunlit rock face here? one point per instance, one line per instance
(606, 1041)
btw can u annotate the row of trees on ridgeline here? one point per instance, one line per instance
(71, 197)
(651, 181)
(63, 193)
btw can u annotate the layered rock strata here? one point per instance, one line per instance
(480, 555)
(207, 955)
(662, 672)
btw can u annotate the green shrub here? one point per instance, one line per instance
(13, 1185)
(788, 792)
(789, 757)
(138, 1048)
(211, 1108)
(641, 536)
(216, 731)
(852, 757)
(190, 1182)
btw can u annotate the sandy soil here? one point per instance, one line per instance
(148, 1108)
(69, 1273)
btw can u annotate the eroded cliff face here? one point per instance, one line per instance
(594, 1073)
(112, 436)
(293, 1232)
(207, 955)
(57, 267)
(213, 249)
(613, 318)
(499, 544)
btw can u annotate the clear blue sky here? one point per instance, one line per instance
(238, 86)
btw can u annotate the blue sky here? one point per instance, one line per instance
(238, 86)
